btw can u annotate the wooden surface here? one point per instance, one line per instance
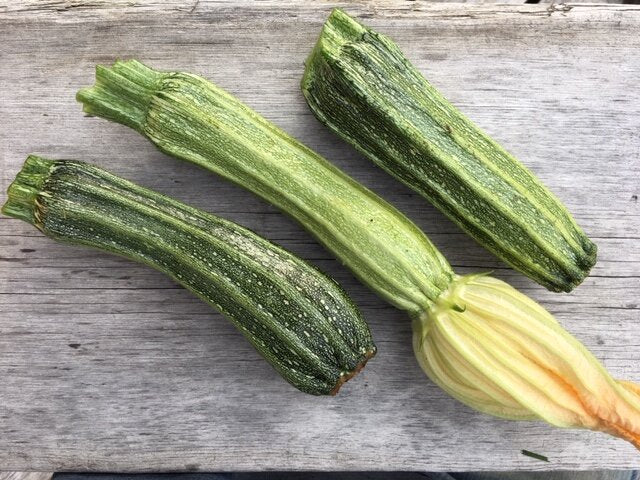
(25, 476)
(108, 365)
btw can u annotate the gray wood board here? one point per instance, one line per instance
(108, 365)
(25, 476)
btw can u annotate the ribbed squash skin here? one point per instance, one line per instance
(190, 118)
(362, 87)
(300, 320)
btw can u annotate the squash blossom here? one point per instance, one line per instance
(497, 351)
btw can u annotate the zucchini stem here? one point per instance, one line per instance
(22, 202)
(122, 93)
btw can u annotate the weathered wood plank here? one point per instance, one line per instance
(25, 476)
(107, 365)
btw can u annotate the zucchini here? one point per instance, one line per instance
(190, 118)
(297, 318)
(486, 344)
(359, 84)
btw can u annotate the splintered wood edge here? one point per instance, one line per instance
(74, 10)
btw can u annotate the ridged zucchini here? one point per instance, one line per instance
(359, 84)
(485, 343)
(300, 320)
(190, 118)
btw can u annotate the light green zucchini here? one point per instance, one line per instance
(190, 118)
(299, 320)
(362, 87)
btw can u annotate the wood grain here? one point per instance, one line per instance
(107, 365)
(25, 476)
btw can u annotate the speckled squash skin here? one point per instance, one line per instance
(362, 87)
(300, 320)
(192, 119)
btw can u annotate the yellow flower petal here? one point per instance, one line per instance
(498, 351)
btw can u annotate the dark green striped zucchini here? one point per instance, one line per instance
(301, 321)
(360, 85)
